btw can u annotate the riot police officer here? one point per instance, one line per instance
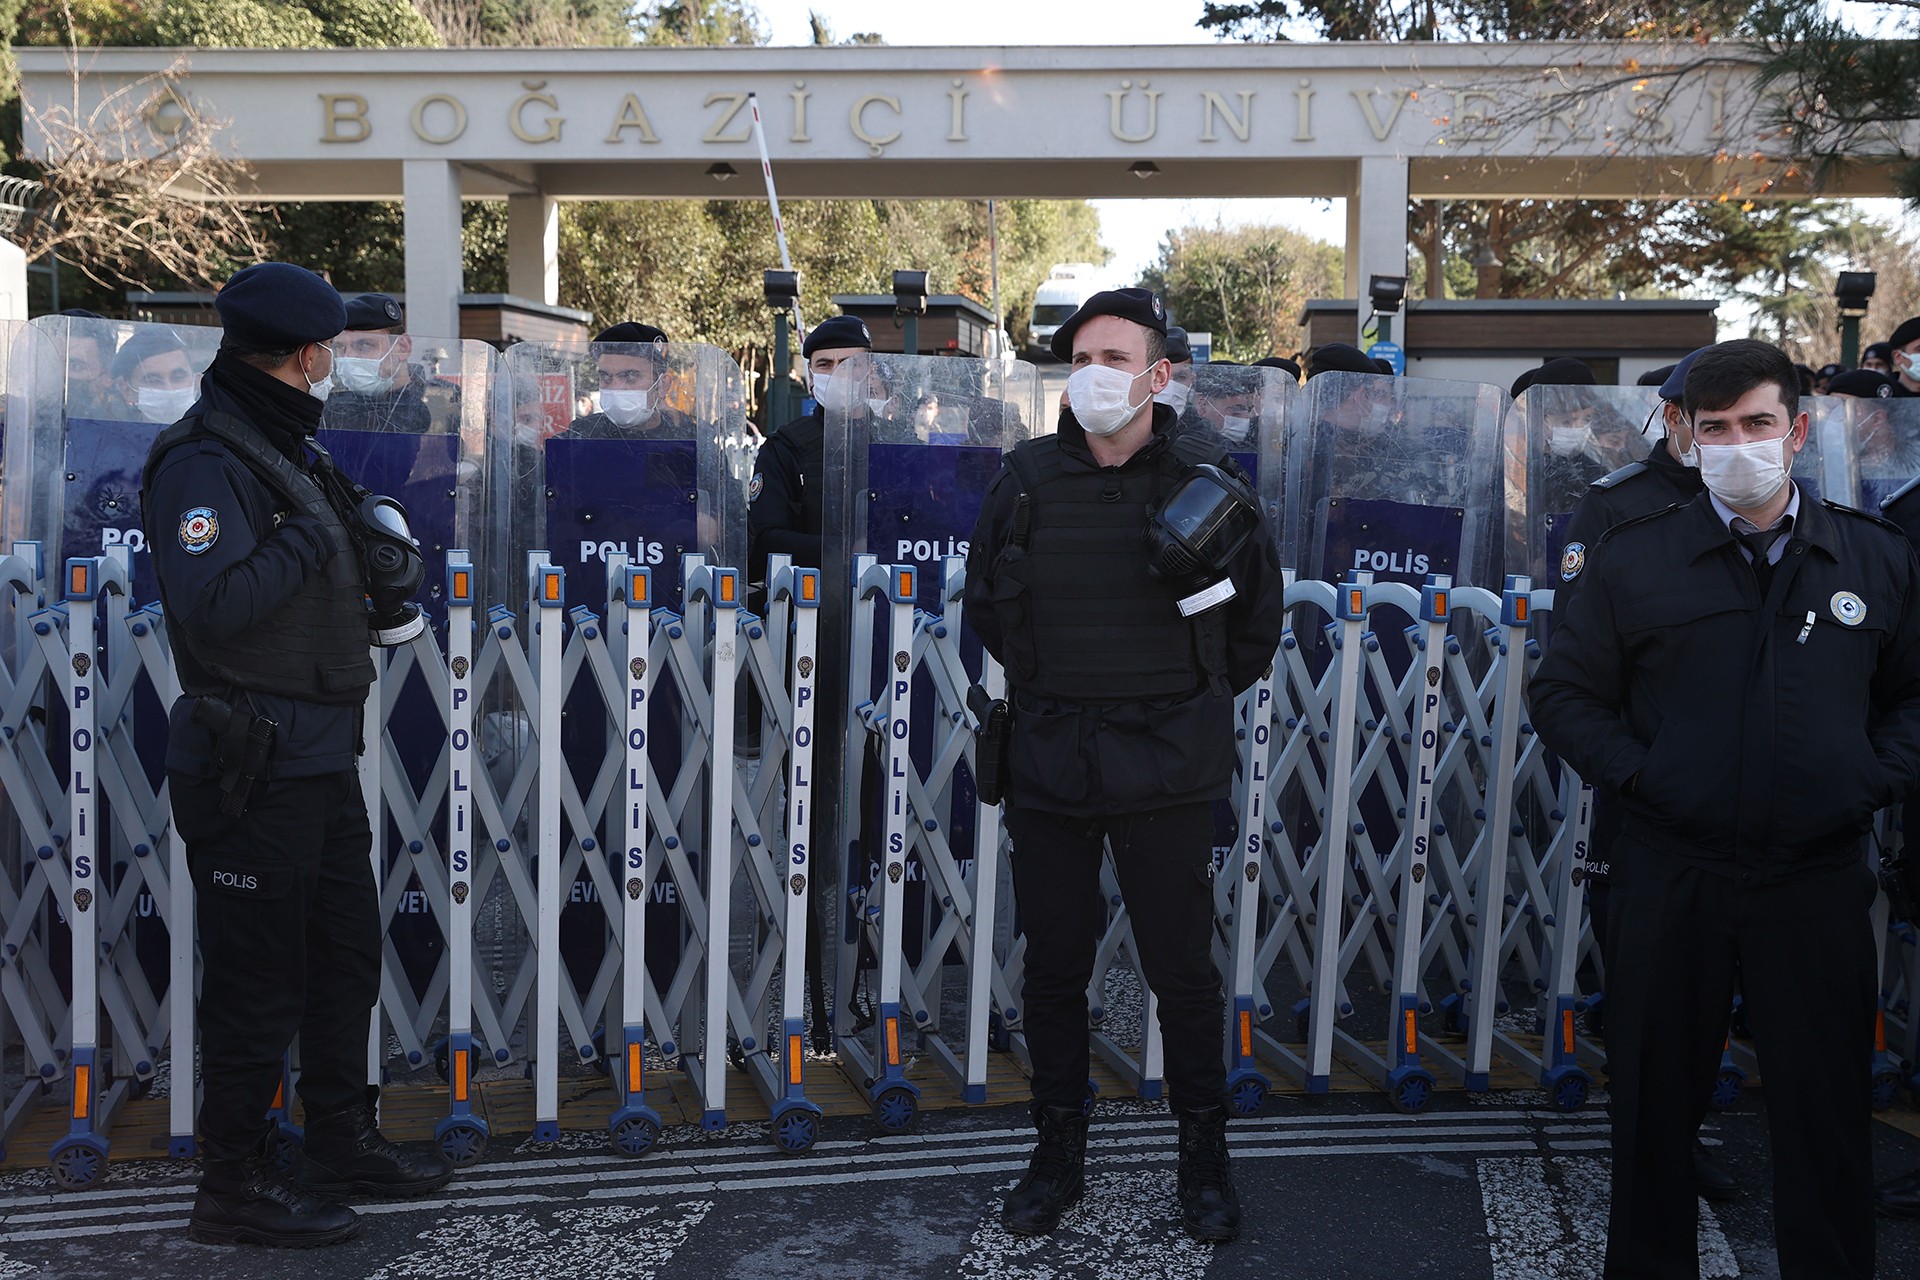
(153, 376)
(630, 360)
(785, 495)
(1122, 678)
(375, 385)
(1742, 676)
(1179, 388)
(1903, 357)
(265, 603)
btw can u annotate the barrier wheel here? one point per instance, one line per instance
(796, 1131)
(1886, 1088)
(895, 1108)
(1726, 1088)
(1570, 1091)
(463, 1144)
(1411, 1094)
(79, 1167)
(1246, 1097)
(635, 1135)
(443, 1061)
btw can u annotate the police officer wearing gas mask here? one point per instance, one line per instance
(784, 497)
(1741, 676)
(1124, 575)
(266, 559)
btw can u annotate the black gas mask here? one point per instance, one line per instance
(394, 568)
(1194, 535)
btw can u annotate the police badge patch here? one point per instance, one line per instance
(1572, 561)
(199, 529)
(1849, 609)
(754, 486)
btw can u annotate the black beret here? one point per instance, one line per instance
(1675, 387)
(1864, 383)
(1831, 370)
(1179, 350)
(373, 311)
(1338, 357)
(1564, 371)
(835, 332)
(146, 343)
(1654, 377)
(1281, 363)
(1908, 331)
(1383, 364)
(1142, 306)
(1877, 351)
(276, 306)
(631, 331)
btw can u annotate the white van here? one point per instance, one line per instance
(1068, 284)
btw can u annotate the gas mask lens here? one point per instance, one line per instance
(395, 571)
(1194, 535)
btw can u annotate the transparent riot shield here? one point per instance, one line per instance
(1867, 449)
(908, 462)
(622, 479)
(1248, 408)
(1558, 441)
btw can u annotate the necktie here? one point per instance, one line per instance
(1758, 543)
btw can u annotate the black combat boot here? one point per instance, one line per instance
(1209, 1206)
(252, 1202)
(1056, 1176)
(347, 1155)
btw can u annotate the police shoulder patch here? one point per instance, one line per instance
(199, 529)
(1572, 561)
(754, 486)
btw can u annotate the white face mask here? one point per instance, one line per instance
(1175, 396)
(165, 404)
(834, 392)
(1101, 397)
(627, 408)
(1745, 476)
(362, 375)
(1566, 441)
(1236, 430)
(876, 407)
(322, 389)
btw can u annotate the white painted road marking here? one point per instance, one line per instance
(1547, 1220)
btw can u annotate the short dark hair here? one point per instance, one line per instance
(1156, 346)
(1723, 373)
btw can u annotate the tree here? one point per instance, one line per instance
(701, 22)
(1473, 19)
(532, 23)
(1245, 285)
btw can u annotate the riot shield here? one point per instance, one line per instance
(1398, 477)
(1864, 450)
(1559, 440)
(1248, 408)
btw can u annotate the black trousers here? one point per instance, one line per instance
(1804, 950)
(1164, 861)
(289, 943)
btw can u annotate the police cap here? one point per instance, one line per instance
(1654, 377)
(1675, 387)
(1877, 351)
(1908, 331)
(373, 311)
(835, 332)
(1281, 363)
(144, 345)
(1564, 371)
(276, 306)
(1867, 384)
(1142, 306)
(630, 331)
(1831, 370)
(1338, 357)
(1179, 349)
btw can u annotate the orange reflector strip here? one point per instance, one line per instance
(1413, 1034)
(1356, 602)
(906, 582)
(77, 580)
(459, 1075)
(280, 1095)
(807, 588)
(640, 590)
(726, 588)
(634, 1071)
(1520, 607)
(1880, 1031)
(1566, 1031)
(551, 588)
(1439, 603)
(793, 1060)
(460, 588)
(82, 1092)
(1246, 1034)
(893, 1042)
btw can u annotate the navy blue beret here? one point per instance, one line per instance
(374, 311)
(276, 306)
(1867, 384)
(1675, 387)
(630, 331)
(837, 331)
(147, 342)
(1142, 306)
(1907, 332)
(1339, 357)
(1564, 371)
(1877, 351)
(1654, 377)
(1179, 349)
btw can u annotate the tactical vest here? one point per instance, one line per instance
(314, 647)
(1083, 620)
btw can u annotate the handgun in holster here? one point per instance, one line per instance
(990, 743)
(242, 744)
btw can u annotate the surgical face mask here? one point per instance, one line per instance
(1101, 397)
(1745, 476)
(361, 374)
(876, 407)
(1236, 430)
(322, 389)
(165, 404)
(834, 392)
(1566, 441)
(1175, 396)
(627, 408)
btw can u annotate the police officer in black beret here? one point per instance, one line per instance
(265, 604)
(1903, 357)
(1179, 389)
(1741, 675)
(1339, 357)
(1123, 668)
(375, 385)
(785, 495)
(630, 361)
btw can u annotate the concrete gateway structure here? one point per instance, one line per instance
(1374, 124)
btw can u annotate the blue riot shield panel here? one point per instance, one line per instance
(1558, 441)
(1866, 449)
(1398, 477)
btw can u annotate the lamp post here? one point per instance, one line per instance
(910, 303)
(1386, 293)
(1852, 291)
(782, 289)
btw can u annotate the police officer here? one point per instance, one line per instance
(153, 376)
(375, 387)
(630, 360)
(1122, 736)
(266, 614)
(1903, 357)
(1742, 675)
(785, 495)
(1179, 388)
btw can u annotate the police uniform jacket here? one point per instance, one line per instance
(1163, 738)
(238, 563)
(785, 495)
(1637, 489)
(402, 409)
(1755, 735)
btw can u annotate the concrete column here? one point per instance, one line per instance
(533, 248)
(1376, 224)
(430, 190)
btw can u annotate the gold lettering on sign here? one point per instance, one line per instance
(1474, 118)
(1717, 95)
(534, 97)
(718, 132)
(1116, 98)
(420, 118)
(856, 121)
(1651, 124)
(1239, 125)
(799, 96)
(1380, 128)
(957, 117)
(1567, 118)
(632, 116)
(1303, 127)
(344, 111)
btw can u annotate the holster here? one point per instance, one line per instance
(243, 743)
(990, 743)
